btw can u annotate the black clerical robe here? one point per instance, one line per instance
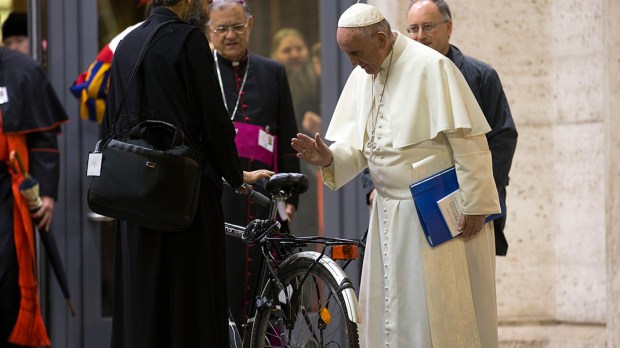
(168, 287)
(265, 100)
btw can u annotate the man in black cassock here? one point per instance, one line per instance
(30, 118)
(259, 103)
(169, 286)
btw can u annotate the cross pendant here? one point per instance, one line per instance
(372, 145)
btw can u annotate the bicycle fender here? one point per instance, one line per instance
(345, 287)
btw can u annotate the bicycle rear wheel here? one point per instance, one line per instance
(308, 311)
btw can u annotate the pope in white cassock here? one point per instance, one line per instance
(406, 112)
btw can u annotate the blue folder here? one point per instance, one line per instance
(426, 193)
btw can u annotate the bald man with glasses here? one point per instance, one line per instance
(430, 23)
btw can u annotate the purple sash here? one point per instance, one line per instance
(248, 145)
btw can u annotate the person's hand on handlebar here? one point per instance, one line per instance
(252, 177)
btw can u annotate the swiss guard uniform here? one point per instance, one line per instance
(30, 118)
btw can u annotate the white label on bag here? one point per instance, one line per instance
(265, 140)
(94, 164)
(4, 95)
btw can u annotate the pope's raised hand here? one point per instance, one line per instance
(312, 150)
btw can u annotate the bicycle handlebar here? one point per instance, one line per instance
(253, 194)
(258, 197)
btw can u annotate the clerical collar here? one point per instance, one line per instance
(224, 61)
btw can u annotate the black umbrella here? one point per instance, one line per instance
(29, 188)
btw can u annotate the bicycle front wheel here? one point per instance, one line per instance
(308, 310)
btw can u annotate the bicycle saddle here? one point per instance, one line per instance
(287, 183)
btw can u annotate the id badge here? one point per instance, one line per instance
(265, 140)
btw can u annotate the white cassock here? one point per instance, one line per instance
(428, 120)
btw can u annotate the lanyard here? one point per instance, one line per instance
(219, 78)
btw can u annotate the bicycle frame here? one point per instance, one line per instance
(281, 249)
(297, 242)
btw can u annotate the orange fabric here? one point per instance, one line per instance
(29, 328)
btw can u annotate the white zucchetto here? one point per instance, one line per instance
(360, 15)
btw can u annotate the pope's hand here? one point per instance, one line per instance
(312, 150)
(470, 225)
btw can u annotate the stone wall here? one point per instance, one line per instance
(611, 132)
(559, 64)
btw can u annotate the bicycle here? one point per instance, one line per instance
(305, 298)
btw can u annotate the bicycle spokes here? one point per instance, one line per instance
(304, 316)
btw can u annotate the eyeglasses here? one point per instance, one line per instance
(426, 27)
(237, 28)
(242, 2)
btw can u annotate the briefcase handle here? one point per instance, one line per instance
(157, 133)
